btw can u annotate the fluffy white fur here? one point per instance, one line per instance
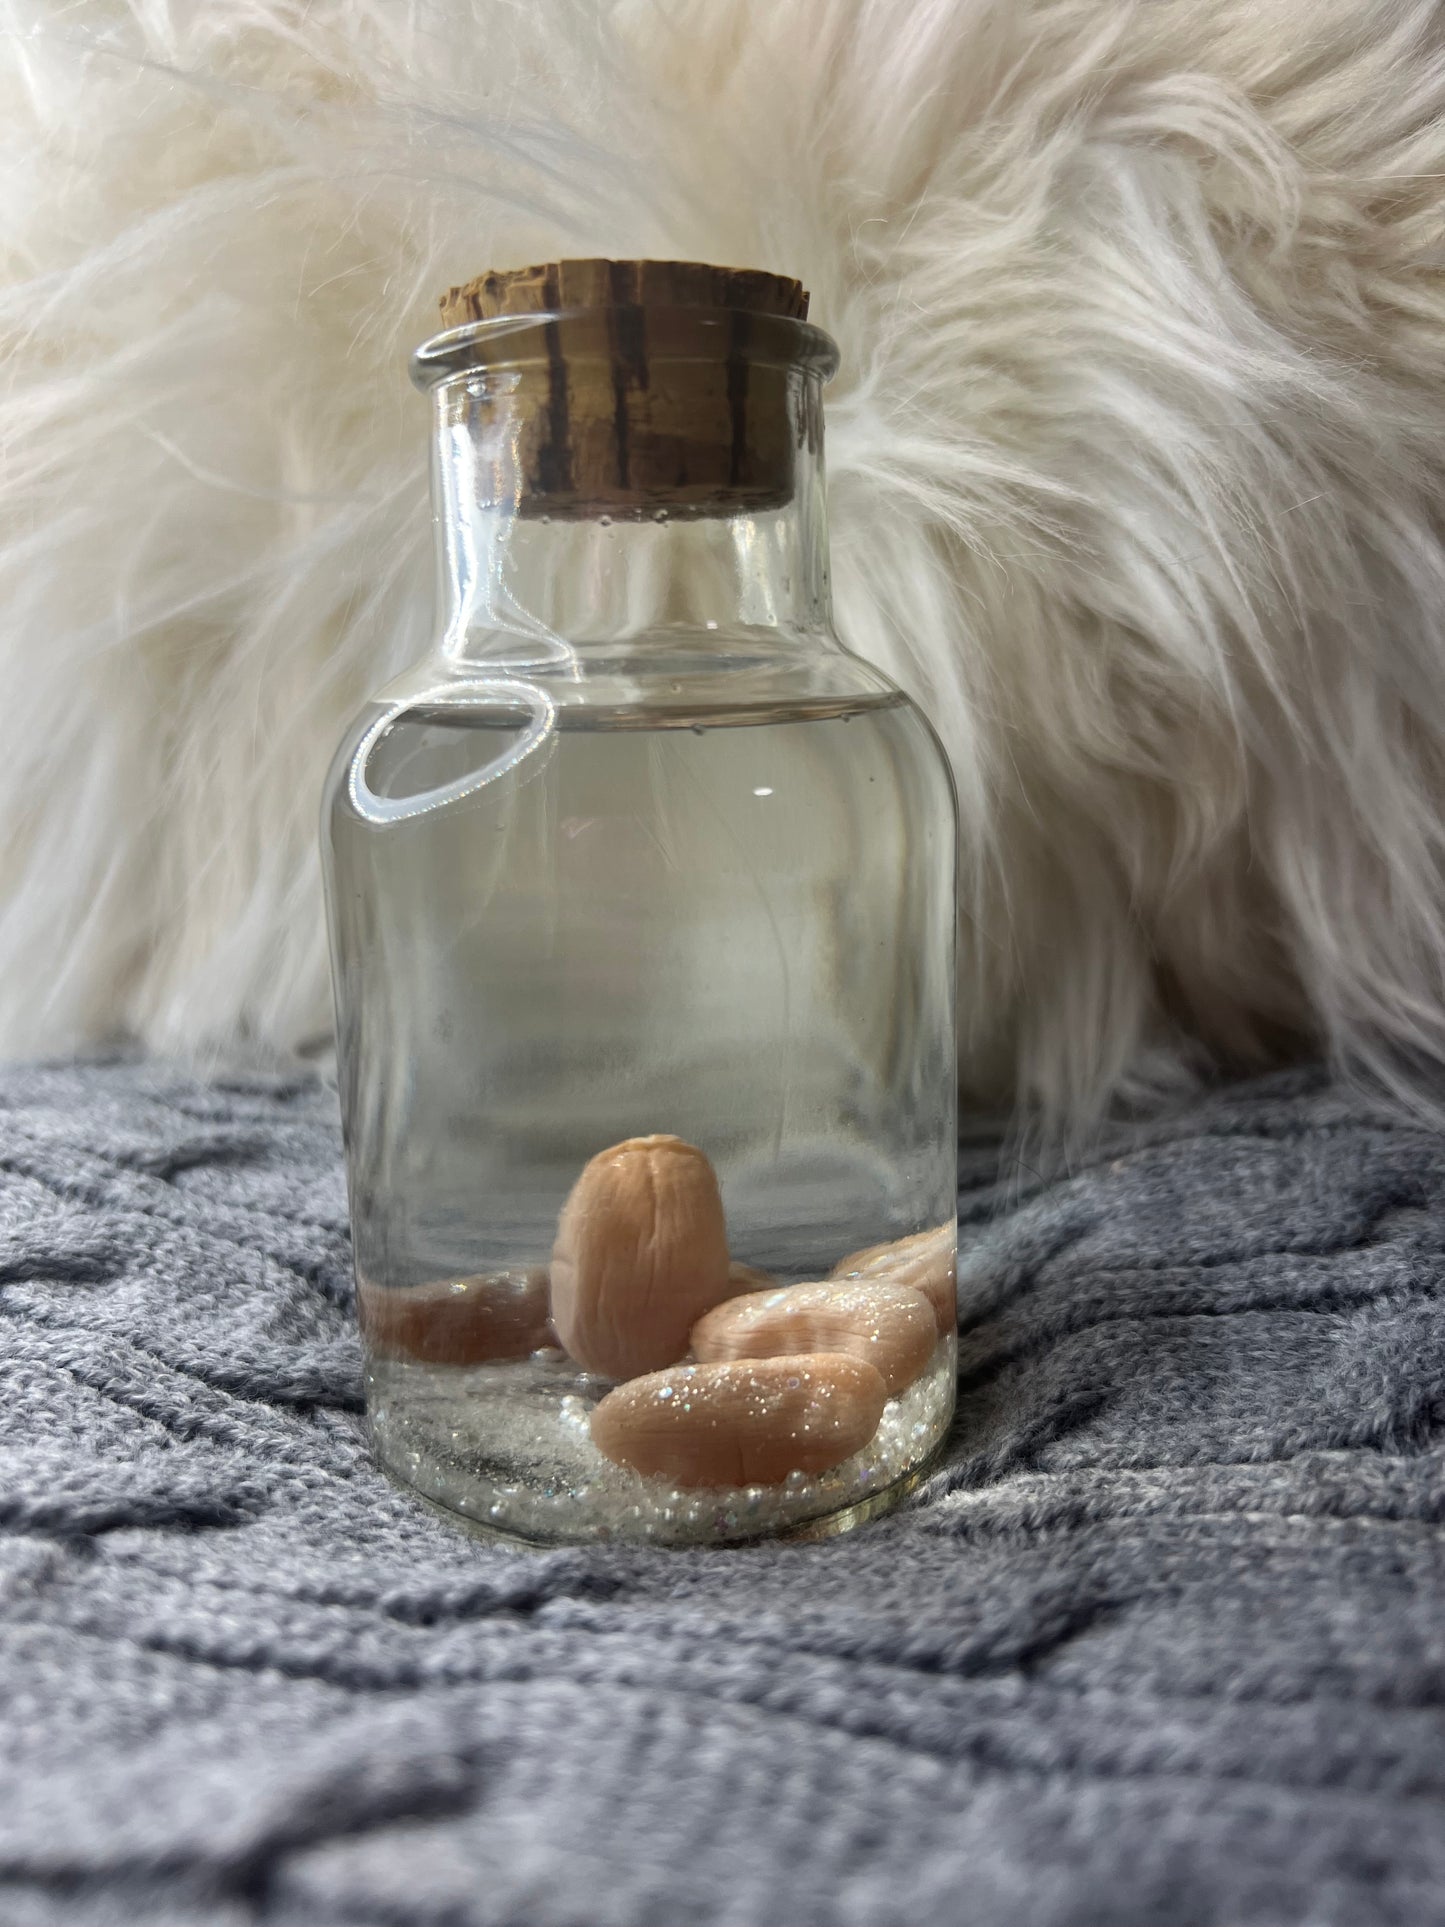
(1136, 466)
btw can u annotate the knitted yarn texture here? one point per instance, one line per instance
(1163, 1641)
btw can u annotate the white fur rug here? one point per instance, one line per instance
(1136, 466)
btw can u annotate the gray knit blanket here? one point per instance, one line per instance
(1163, 1643)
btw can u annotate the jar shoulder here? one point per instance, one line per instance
(668, 680)
(661, 671)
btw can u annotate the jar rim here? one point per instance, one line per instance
(674, 334)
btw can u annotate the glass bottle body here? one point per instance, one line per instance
(694, 879)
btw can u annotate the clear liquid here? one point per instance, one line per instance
(731, 924)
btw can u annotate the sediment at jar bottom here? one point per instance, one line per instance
(511, 1448)
(752, 1422)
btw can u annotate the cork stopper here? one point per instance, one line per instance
(647, 385)
(554, 286)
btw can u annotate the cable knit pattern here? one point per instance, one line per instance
(1163, 1644)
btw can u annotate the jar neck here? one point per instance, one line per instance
(522, 579)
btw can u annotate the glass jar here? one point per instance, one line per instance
(641, 898)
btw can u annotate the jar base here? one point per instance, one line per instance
(831, 1525)
(440, 1435)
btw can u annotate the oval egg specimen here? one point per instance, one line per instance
(457, 1321)
(746, 1423)
(927, 1262)
(749, 1278)
(641, 1253)
(885, 1325)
